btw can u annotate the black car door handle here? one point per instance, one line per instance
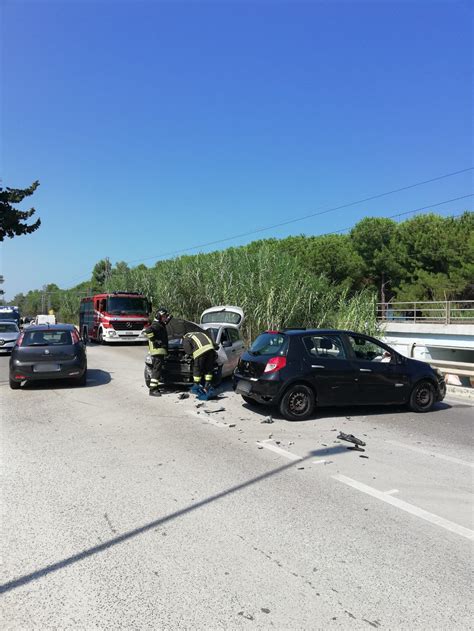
(365, 369)
(317, 366)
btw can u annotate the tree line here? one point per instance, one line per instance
(331, 280)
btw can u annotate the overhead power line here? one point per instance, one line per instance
(408, 212)
(302, 218)
(294, 220)
(325, 234)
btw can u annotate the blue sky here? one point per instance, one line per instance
(157, 126)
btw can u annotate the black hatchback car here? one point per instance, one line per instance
(296, 370)
(48, 352)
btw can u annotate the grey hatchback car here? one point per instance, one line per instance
(9, 333)
(48, 352)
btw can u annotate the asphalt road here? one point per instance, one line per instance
(122, 511)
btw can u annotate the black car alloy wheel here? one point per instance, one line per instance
(297, 402)
(422, 397)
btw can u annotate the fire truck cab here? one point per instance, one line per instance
(119, 316)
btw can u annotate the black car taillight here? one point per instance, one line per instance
(275, 364)
(20, 339)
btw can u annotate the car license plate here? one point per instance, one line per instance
(128, 333)
(46, 368)
(243, 387)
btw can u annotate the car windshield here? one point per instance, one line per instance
(269, 344)
(8, 315)
(47, 338)
(127, 304)
(8, 327)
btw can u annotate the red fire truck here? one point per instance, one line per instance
(120, 316)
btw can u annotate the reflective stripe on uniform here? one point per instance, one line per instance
(156, 351)
(197, 379)
(208, 377)
(203, 343)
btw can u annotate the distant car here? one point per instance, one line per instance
(9, 333)
(297, 370)
(223, 324)
(44, 318)
(48, 352)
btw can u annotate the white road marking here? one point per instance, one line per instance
(278, 450)
(392, 492)
(432, 453)
(207, 418)
(409, 508)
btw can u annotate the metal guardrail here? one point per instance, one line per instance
(453, 368)
(441, 312)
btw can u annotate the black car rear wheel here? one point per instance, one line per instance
(422, 397)
(15, 385)
(297, 403)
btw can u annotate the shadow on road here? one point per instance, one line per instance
(95, 377)
(88, 552)
(353, 411)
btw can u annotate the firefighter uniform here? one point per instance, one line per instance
(158, 349)
(203, 351)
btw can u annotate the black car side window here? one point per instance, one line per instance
(367, 350)
(324, 346)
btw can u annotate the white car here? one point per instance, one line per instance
(223, 324)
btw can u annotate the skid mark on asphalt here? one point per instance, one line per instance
(408, 508)
(432, 454)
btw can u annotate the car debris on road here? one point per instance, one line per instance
(350, 438)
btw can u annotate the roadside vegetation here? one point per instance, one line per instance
(331, 280)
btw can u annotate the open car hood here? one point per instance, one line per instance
(177, 328)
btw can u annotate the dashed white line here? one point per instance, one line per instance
(408, 508)
(431, 453)
(392, 492)
(278, 450)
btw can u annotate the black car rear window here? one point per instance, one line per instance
(270, 344)
(47, 338)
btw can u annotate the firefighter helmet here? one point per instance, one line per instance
(163, 315)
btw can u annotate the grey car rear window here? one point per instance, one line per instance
(47, 338)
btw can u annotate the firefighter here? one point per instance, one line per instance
(202, 349)
(158, 348)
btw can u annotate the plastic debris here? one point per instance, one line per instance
(183, 395)
(350, 438)
(267, 419)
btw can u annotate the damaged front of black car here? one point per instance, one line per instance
(178, 369)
